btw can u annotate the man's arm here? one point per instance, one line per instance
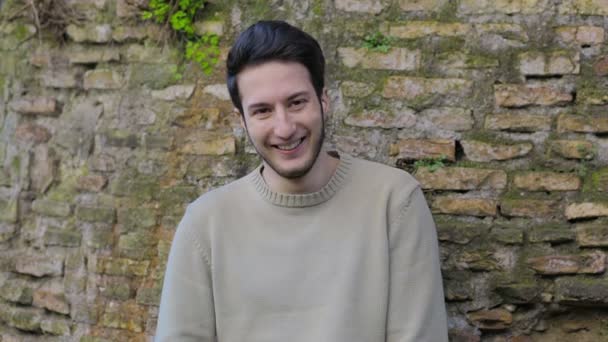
(416, 308)
(186, 307)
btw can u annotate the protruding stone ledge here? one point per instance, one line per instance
(36, 106)
(102, 79)
(586, 210)
(573, 149)
(554, 233)
(90, 33)
(546, 181)
(464, 206)
(413, 149)
(592, 235)
(582, 124)
(549, 64)
(522, 95)
(586, 263)
(481, 151)
(518, 122)
(450, 118)
(461, 178)
(495, 319)
(39, 265)
(582, 290)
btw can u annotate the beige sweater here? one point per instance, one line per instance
(355, 261)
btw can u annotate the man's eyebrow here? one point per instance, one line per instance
(298, 94)
(291, 97)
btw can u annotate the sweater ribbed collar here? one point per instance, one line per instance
(334, 184)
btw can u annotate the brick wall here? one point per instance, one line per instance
(102, 148)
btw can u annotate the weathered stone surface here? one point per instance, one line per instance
(581, 35)
(418, 29)
(581, 290)
(157, 141)
(404, 118)
(133, 219)
(356, 89)
(598, 180)
(51, 296)
(9, 210)
(123, 267)
(546, 181)
(62, 78)
(533, 63)
(22, 318)
(573, 149)
(39, 265)
(508, 236)
(137, 245)
(518, 122)
(43, 168)
(481, 151)
(93, 56)
(175, 92)
(51, 208)
(120, 138)
(420, 89)
(551, 234)
(590, 7)
(521, 95)
(495, 319)
(36, 106)
(90, 34)
(55, 326)
(149, 295)
(592, 94)
(412, 149)
(464, 206)
(91, 183)
(129, 8)
(592, 235)
(529, 208)
(153, 76)
(361, 6)
(7, 232)
(586, 210)
(209, 27)
(421, 5)
(103, 163)
(102, 79)
(449, 118)
(96, 214)
(117, 288)
(582, 124)
(219, 90)
(29, 132)
(123, 316)
(62, 237)
(151, 54)
(461, 178)
(123, 34)
(394, 59)
(601, 66)
(204, 145)
(78, 133)
(586, 263)
(519, 293)
(502, 6)
(18, 291)
(477, 261)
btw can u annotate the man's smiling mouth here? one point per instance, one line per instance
(289, 147)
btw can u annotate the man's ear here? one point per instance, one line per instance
(325, 104)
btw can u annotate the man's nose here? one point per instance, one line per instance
(284, 126)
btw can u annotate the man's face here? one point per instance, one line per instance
(282, 116)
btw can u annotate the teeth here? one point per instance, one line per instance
(290, 146)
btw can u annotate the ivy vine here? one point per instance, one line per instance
(179, 15)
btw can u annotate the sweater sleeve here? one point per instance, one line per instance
(416, 308)
(186, 308)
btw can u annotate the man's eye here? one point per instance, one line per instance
(261, 111)
(298, 103)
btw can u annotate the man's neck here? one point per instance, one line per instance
(316, 178)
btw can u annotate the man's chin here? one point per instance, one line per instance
(294, 172)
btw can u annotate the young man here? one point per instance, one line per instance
(312, 246)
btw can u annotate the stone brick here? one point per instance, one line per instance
(129, 8)
(586, 263)
(502, 6)
(120, 138)
(590, 7)
(601, 66)
(461, 178)
(117, 288)
(412, 149)
(93, 56)
(204, 145)
(51, 208)
(27, 319)
(521, 95)
(481, 151)
(529, 208)
(62, 237)
(552, 234)
(157, 141)
(29, 132)
(151, 54)
(102, 79)
(394, 59)
(123, 33)
(462, 335)
(175, 92)
(209, 27)
(592, 94)
(43, 168)
(598, 181)
(592, 235)
(7, 232)
(18, 290)
(123, 316)
(103, 163)
(419, 29)
(96, 214)
(133, 219)
(518, 122)
(508, 236)
(361, 6)
(464, 206)
(533, 63)
(477, 261)
(152, 76)
(421, 5)
(62, 79)
(404, 118)
(581, 35)
(91, 183)
(573, 149)
(356, 89)
(546, 181)
(99, 237)
(586, 210)
(55, 326)
(9, 210)
(123, 267)
(582, 124)
(39, 265)
(519, 293)
(90, 34)
(425, 89)
(581, 290)
(495, 319)
(149, 295)
(137, 245)
(449, 118)
(51, 296)
(219, 91)
(36, 106)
